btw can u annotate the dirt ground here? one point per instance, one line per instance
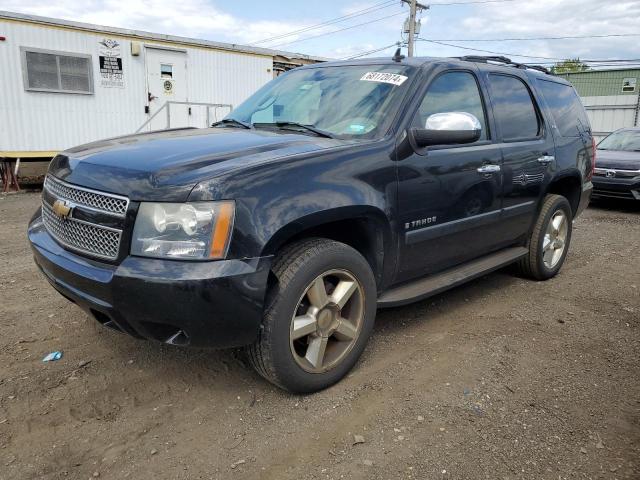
(500, 379)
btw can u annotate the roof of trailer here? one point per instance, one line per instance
(143, 35)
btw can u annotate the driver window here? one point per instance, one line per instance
(453, 92)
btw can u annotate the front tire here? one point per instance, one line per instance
(318, 318)
(549, 241)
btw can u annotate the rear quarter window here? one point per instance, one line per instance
(513, 108)
(566, 108)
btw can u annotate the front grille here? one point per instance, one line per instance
(617, 173)
(104, 202)
(84, 237)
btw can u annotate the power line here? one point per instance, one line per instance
(614, 61)
(336, 31)
(362, 54)
(532, 38)
(469, 3)
(416, 8)
(487, 51)
(622, 66)
(622, 62)
(532, 56)
(372, 8)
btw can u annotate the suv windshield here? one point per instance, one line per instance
(625, 140)
(343, 102)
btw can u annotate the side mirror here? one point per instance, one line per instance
(449, 128)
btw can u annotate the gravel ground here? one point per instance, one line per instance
(501, 378)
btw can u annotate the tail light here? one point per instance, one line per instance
(593, 157)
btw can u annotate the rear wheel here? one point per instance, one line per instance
(549, 241)
(319, 316)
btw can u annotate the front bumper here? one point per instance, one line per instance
(625, 188)
(202, 304)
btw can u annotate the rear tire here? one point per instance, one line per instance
(549, 241)
(318, 317)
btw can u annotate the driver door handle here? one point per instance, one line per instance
(489, 168)
(546, 159)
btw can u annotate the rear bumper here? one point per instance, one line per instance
(625, 188)
(201, 304)
(585, 197)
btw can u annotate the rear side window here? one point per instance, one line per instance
(513, 108)
(453, 92)
(566, 108)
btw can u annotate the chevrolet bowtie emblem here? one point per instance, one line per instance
(61, 209)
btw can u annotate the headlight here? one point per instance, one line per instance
(197, 231)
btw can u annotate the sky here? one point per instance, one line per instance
(251, 22)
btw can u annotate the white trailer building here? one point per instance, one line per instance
(66, 83)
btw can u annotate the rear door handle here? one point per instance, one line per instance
(489, 168)
(546, 159)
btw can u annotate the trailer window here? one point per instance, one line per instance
(166, 71)
(46, 71)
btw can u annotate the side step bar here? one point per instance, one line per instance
(434, 284)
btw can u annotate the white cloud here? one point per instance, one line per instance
(553, 18)
(193, 18)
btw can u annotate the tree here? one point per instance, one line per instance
(570, 65)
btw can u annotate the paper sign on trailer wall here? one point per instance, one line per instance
(110, 58)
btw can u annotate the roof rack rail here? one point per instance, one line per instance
(505, 60)
(539, 68)
(485, 58)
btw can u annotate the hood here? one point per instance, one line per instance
(167, 165)
(618, 159)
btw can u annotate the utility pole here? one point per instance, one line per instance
(414, 6)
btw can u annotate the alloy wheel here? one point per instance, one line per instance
(555, 239)
(327, 321)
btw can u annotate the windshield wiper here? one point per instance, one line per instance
(297, 126)
(232, 121)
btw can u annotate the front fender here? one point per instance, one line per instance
(280, 199)
(324, 217)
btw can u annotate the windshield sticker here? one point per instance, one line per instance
(392, 78)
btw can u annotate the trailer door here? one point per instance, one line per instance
(167, 82)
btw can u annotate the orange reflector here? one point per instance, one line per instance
(222, 230)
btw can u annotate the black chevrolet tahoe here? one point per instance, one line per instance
(336, 189)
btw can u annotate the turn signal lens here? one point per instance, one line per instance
(222, 230)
